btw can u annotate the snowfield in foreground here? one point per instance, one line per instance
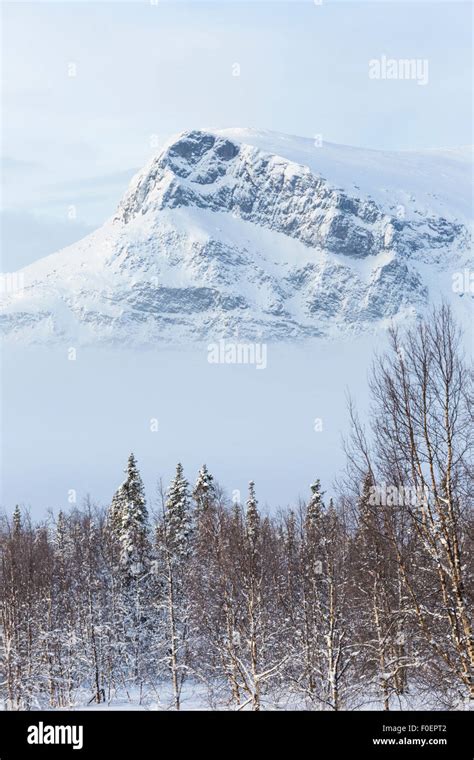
(196, 695)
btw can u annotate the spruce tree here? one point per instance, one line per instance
(252, 517)
(174, 542)
(204, 491)
(128, 519)
(178, 515)
(17, 522)
(315, 507)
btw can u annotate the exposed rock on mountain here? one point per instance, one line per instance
(240, 232)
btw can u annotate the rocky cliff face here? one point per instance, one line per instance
(253, 234)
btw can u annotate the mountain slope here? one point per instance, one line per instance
(256, 234)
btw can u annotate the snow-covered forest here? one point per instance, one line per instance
(355, 598)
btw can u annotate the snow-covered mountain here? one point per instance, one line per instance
(260, 235)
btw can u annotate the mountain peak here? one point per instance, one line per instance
(264, 234)
(392, 179)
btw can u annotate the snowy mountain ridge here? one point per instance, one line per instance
(260, 235)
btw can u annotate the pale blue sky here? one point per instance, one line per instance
(150, 70)
(147, 70)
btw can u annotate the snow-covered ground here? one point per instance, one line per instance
(214, 696)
